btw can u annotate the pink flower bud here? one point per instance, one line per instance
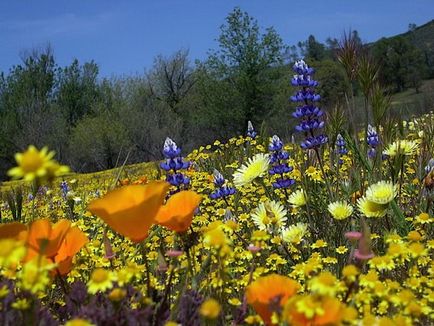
(253, 249)
(174, 253)
(353, 236)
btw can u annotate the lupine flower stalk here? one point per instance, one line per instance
(372, 140)
(279, 163)
(251, 131)
(174, 164)
(222, 190)
(341, 148)
(309, 114)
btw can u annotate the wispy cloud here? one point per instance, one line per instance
(64, 24)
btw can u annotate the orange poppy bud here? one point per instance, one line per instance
(177, 214)
(131, 210)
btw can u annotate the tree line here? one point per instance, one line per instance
(93, 123)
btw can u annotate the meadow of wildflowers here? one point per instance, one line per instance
(251, 231)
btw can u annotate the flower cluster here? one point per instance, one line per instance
(309, 114)
(279, 163)
(315, 255)
(174, 164)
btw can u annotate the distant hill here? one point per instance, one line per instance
(423, 38)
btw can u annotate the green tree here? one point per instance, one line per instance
(313, 49)
(402, 64)
(77, 90)
(98, 143)
(171, 79)
(26, 94)
(243, 56)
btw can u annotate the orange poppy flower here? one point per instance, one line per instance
(131, 210)
(45, 239)
(74, 240)
(305, 310)
(269, 293)
(177, 214)
(11, 230)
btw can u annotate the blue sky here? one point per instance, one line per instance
(123, 37)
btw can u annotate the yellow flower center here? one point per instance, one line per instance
(99, 276)
(31, 161)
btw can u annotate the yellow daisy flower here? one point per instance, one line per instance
(255, 167)
(382, 192)
(294, 233)
(210, 309)
(32, 164)
(297, 198)
(371, 209)
(319, 244)
(100, 280)
(401, 147)
(340, 210)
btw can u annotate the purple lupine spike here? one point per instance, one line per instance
(174, 163)
(221, 190)
(279, 164)
(373, 141)
(251, 131)
(308, 112)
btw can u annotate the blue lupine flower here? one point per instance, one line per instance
(251, 131)
(174, 163)
(309, 114)
(373, 140)
(279, 164)
(341, 147)
(221, 191)
(64, 188)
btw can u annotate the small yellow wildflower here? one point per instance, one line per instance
(21, 304)
(423, 218)
(117, 294)
(324, 284)
(210, 309)
(78, 322)
(4, 291)
(341, 250)
(350, 272)
(100, 280)
(414, 236)
(34, 275)
(319, 244)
